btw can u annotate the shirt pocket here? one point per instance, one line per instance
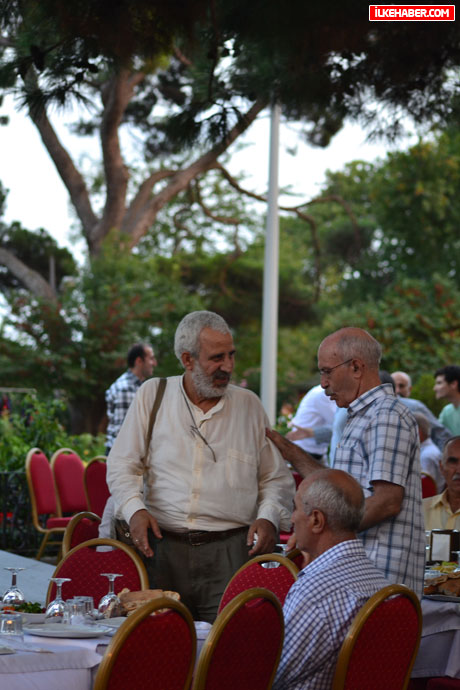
(241, 470)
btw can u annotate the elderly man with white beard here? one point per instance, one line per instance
(216, 490)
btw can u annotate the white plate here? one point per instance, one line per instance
(441, 597)
(113, 622)
(60, 630)
(33, 618)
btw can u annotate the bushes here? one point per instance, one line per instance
(34, 422)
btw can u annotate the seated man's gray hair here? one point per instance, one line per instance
(187, 338)
(342, 513)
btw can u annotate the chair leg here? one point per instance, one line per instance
(42, 546)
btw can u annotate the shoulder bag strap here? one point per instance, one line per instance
(153, 414)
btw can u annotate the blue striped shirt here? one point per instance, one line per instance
(318, 612)
(380, 442)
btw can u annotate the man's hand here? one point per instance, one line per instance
(266, 537)
(298, 433)
(140, 522)
(302, 461)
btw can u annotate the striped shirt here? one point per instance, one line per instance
(380, 442)
(318, 611)
(118, 398)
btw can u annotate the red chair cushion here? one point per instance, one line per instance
(85, 566)
(277, 580)
(84, 530)
(429, 487)
(43, 484)
(156, 656)
(251, 639)
(383, 650)
(54, 522)
(96, 487)
(444, 683)
(68, 473)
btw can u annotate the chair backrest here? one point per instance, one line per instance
(382, 642)
(253, 574)
(243, 647)
(151, 652)
(68, 470)
(95, 484)
(82, 527)
(84, 565)
(429, 487)
(41, 484)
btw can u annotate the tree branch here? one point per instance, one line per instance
(182, 178)
(116, 96)
(67, 170)
(140, 201)
(32, 280)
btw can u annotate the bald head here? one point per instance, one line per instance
(403, 383)
(349, 343)
(337, 495)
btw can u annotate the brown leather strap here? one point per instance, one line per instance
(153, 414)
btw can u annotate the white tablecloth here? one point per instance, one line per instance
(439, 653)
(72, 666)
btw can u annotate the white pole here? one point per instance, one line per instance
(271, 271)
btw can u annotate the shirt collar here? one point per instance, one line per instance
(135, 379)
(204, 415)
(369, 397)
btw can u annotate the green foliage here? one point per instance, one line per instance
(39, 422)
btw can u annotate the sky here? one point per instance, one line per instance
(37, 197)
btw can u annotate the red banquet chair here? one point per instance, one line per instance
(243, 647)
(253, 574)
(151, 652)
(82, 527)
(443, 683)
(380, 647)
(95, 484)
(68, 470)
(429, 487)
(46, 516)
(84, 565)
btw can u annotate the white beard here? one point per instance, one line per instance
(203, 384)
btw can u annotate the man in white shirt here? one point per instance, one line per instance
(315, 411)
(212, 480)
(430, 455)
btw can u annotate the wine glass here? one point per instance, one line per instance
(13, 595)
(56, 609)
(110, 597)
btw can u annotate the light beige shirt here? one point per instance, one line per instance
(184, 488)
(438, 513)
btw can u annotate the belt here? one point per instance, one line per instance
(197, 538)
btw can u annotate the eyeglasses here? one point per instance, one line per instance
(327, 372)
(195, 430)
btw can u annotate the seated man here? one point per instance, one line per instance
(330, 590)
(443, 511)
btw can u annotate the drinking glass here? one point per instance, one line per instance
(13, 595)
(56, 609)
(75, 613)
(89, 608)
(283, 548)
(110, 596)
(11, 626)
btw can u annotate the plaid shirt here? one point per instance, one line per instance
(318, 611)
(380, 442)
(118, 398)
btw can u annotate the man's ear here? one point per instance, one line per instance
(187, 360)
(318, 521)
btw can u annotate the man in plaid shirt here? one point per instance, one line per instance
(141, 361)
(380, 448)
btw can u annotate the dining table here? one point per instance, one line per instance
(53, 663)
(439, 652)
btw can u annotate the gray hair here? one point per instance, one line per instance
(187, 338)
(423, 422)
(445, 454)
(356, 342)
(342, 514)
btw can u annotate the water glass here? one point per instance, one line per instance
(75, 613)
(11, 626)
(89, 608)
